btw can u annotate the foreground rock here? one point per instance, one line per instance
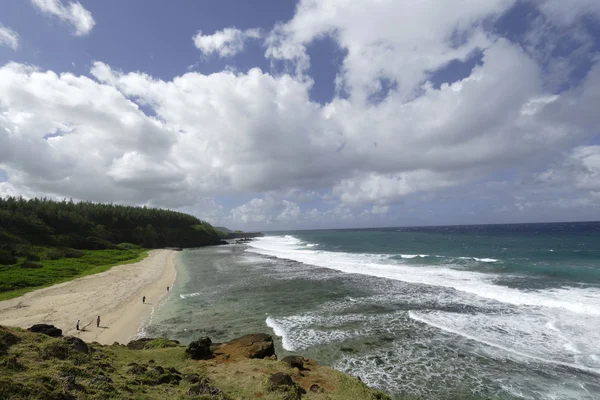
(200, 349)
(283, 383)
(49, 330)
(294, 362)
(257, 345)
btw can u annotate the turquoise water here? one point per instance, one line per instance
(511, 310)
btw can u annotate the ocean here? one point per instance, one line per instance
(511, 311)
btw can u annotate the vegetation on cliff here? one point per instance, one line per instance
(36, 366)
(43, 242)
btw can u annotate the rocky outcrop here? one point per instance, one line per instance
(257, 345)
(77, 344)
(283, 383)
(49, 330)
(138, 344)
(294, 362)
(200, 349)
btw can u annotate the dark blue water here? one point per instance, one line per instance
(503, 310)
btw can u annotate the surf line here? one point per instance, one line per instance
(594, 371)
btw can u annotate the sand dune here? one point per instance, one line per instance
(115, 295)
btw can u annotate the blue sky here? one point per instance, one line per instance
(282, 114)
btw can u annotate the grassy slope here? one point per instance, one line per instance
(40, 367)
(61, 270)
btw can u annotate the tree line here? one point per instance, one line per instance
(95, 226)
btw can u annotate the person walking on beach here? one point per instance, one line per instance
(167, 289)
(77, 325)
(98, 322)
(144, 299)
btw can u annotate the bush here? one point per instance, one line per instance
(160, 343)
(7, 258)
(72, 253)
(31, 265)
(54, 254)
(33, 257)
(127, 246)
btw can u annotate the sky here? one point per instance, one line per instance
(309, 114)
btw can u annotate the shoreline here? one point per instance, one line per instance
(115, 295)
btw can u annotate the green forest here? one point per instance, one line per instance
(43, 242)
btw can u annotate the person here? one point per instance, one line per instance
(98, 321)
(167, 289)
(77, 325)
(143, 299)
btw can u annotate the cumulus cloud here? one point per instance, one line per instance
(249, 133)
(8, 37)
(72, 13)
(225, 43)
(580, 169)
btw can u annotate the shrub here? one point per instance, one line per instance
(72, 253)
(31, 265)
(127, 246)
(7, 258)
(160, 343)
(33, 257)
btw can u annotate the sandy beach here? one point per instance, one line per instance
(114, 295)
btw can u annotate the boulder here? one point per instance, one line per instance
(200, 349)
(7, 339)
(282, 382)
(136, 369)
(77, 344)
(191, 378)
(258, 345)
(315, 388)
(294, 362)
(49, 330)
(203, 390)
(138, 344)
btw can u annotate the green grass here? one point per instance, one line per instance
(34, 366)
(16, 281)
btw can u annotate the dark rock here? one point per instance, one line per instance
(151, 361)
(101, 378)
(294, 361)
(191, 378)
(103, 383)
(7, 339)
(173, 371)
(77, 344)
(138, 344)
(280, 379)
(315, 388)
(136, 369)
(200, 349)
(158, 370)
(203, 390)
(282, 382)
(49, 330)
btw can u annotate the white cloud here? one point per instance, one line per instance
(266, 210)
(73, 13)
(225, 43)
(580, 169)
(259, 135)
(8, 37)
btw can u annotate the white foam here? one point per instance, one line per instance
(188, 295)
(280, 331)
(523, 335)
(576, 300)
(409, 256)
